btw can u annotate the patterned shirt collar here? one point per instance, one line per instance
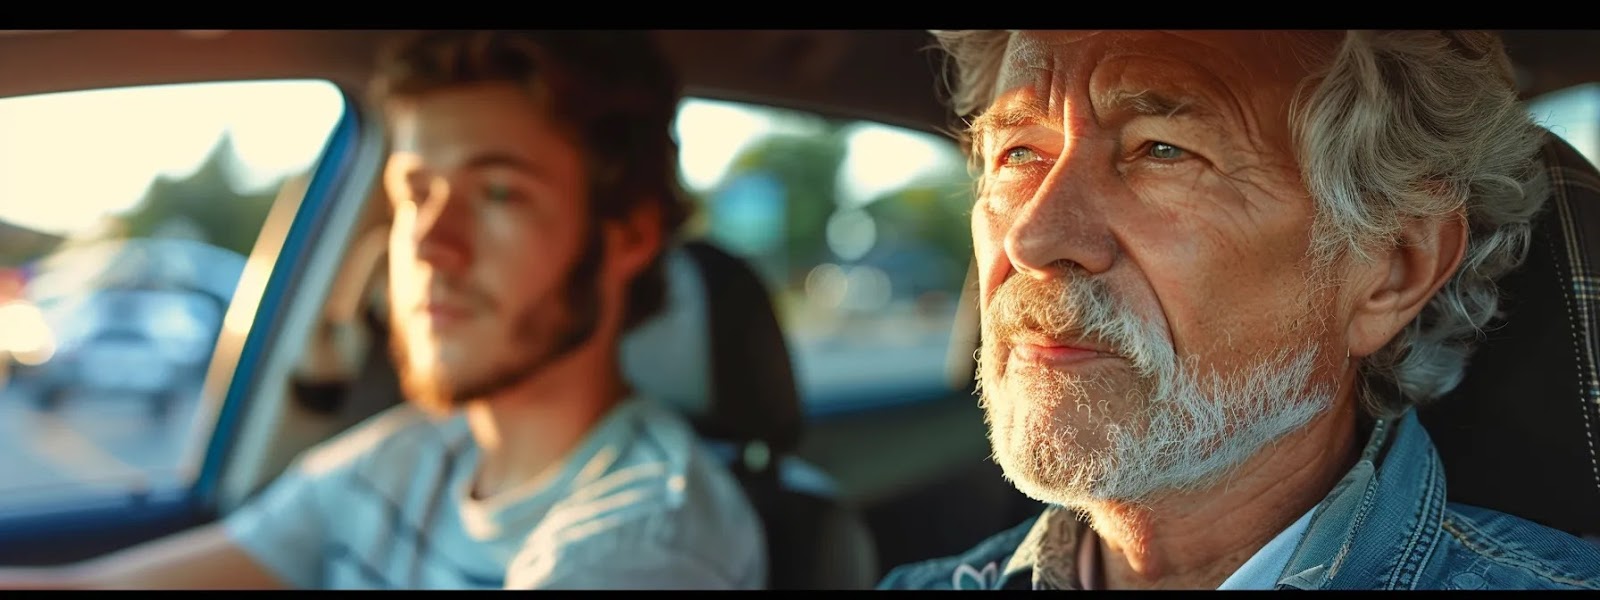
(1049, 553)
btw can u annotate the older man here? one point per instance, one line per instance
(1217, 271)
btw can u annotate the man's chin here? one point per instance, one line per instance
(435, 399)
(1041, 471)
(1059, 448)
(1049, 405)
(1028, 443)
(1075, 478)
(430, 388)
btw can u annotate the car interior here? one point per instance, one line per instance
(850, 479)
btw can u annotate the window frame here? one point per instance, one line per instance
(78, 528)
(1534, 105)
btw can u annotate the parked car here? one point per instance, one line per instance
(151, 343)
(127, 318)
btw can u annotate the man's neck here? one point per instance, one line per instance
(1196, 540)
(525, 430)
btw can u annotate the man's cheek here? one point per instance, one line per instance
(989, 254)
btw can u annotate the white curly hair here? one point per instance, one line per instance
(1398, 125)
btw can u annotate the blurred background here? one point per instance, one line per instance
(126, 217)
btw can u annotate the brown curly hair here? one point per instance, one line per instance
(613, 91)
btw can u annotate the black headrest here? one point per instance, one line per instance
(1519, 435)
(716, 352)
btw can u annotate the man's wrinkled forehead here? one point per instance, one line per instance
(1037, 57)
(1032, 51)
(1037, 48)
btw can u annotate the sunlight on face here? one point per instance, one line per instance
(1150, 318)
(493, 256)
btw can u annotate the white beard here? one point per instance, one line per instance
(1184, 432)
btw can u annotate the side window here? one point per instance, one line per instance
(860, 230)
(1573, 114)
(126, 216)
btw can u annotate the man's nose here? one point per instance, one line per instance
(443, 234)
(1064, 223)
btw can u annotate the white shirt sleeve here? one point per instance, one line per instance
(640, 568)
(286, 528)
(282, 529)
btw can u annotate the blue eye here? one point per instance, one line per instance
(1164, 151)
(497, 193)
(1018, 155)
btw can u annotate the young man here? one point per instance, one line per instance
(532, 182)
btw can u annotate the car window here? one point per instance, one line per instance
(859, 229)
(1574, 114)
(126, 216)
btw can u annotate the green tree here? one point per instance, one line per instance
(807, 166)
(209, 201)
(933, 211)
(20, 245)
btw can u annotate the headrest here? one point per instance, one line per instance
(716, 352)
(1519, 435)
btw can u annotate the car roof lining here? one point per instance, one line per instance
(879, 75)
(884, 75)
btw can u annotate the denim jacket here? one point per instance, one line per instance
(1385, 525)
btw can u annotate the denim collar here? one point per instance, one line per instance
(1380, 524)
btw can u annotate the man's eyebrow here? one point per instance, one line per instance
(1006, 117)
(1144, 103)
(492, 159)
(1150, 103)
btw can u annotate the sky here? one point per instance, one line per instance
(67, 159)
(1573, 114)
(880, 157)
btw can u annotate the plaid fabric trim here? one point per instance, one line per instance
(1575, 191)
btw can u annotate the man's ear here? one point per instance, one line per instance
(635, 239)
(1395, 286)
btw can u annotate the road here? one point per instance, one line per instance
(89, 440)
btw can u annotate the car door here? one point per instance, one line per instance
(206, 195)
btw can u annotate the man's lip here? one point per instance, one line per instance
(1054, 351)
(1070, 343)
(444, 312)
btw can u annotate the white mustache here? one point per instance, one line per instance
(1078, 307)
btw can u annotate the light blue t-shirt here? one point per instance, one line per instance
(639, 504)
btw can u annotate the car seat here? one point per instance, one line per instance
(716, 353)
